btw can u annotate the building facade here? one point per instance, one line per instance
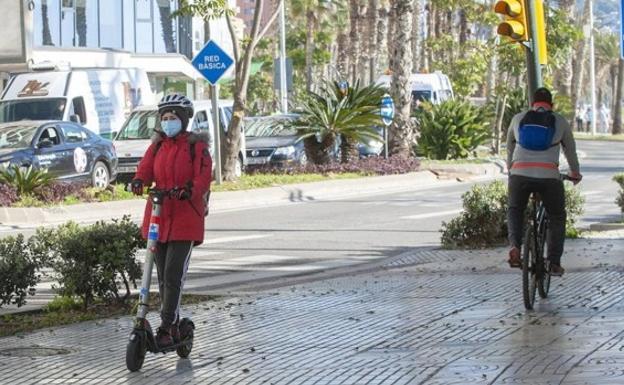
(106, 34)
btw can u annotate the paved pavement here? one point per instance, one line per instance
(423, 317)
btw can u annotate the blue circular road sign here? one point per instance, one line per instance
(387, 109)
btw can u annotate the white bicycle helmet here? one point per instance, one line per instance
(176, 100)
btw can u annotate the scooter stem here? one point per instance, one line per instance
(152, 239)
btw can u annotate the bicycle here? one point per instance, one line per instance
(535, 268)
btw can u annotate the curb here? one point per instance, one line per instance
(606, 226)
(247, 199)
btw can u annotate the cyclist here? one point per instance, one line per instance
(180, 161)
(534, 140)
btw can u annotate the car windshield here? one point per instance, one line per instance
(16, 136)
(32, 109)
(140, 125)
(269, 126)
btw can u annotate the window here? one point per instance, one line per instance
(47, 23)
(49, 133)
(78, 108)
(144, 35)
(73, 134)
(165, 27)
(110, 24)
(201, 121)
(87, 31)
(128, 25)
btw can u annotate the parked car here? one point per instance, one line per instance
(270, 141)
(67, 150)
(134, 137)
(372, 147)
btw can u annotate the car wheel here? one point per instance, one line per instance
(100, 177)
(238, 168)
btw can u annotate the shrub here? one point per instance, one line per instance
(451, 130)
(93, 261)
(19, 268)
(8, 195)
(367, 166)
(619, 179)
(25, 180)
(56, 191)
(483, 222)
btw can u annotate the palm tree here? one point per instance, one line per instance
(332, 114)
(313, 11)
(579, 60)
(607, 54)
(382, 33)
(401, 128)
(354, 34)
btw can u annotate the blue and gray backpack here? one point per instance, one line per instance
(537, 130)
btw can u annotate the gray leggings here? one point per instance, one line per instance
(172, 259)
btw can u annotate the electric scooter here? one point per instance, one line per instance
(142, 337)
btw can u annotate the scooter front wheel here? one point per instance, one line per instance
(135, 351)
(186, 336)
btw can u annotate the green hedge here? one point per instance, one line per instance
(91, 262)
(483, 222)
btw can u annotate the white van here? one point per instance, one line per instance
(431, 87)
(99, 99)
(134, 137)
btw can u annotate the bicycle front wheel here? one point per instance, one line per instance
(529, 276)
(544, 274)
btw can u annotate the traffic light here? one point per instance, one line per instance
(515, 25)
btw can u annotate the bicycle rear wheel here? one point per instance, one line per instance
(529, 277)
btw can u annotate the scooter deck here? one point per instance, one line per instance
(170, 348)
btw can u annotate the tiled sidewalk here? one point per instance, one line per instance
(432, 318)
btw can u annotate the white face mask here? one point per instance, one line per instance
(171, 128)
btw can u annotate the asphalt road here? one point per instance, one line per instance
(267, 243)
(264, 246)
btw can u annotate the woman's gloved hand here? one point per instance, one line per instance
(137, 186)
(186, 192)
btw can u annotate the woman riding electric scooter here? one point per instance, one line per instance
(176, 161)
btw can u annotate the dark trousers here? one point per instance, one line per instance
(552, 194)
(172, 259)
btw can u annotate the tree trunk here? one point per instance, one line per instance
(614, 76)
(354, 34)
(167, 25)
(401, 128)
(416, 42)
(373, 19)
(579, 63)
(617, 113)
(47, 36)
(342, 62)
(309, 47)
(348, 150)
(463, 28)
(364, 30)
(382, 41)
(565, 73)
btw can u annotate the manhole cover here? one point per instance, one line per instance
(34, 351)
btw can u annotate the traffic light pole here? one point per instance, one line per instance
(534, 69)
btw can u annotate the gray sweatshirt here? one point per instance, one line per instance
(541, 164)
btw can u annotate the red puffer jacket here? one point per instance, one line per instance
(170, 165)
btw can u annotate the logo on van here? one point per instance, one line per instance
(34, 88)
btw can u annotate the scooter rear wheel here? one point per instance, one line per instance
(186, 335)
(135, 352)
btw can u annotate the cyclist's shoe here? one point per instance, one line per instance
(556, 270)
(514, 257)
(163, 338)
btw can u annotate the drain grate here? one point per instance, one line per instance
(35, 351)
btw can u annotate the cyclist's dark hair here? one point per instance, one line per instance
(542, 95)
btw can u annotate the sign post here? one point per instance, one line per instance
(387, 115)
(212, 62)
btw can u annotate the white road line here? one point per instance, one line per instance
(586, 193)
(433, 215)
(236, 238)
